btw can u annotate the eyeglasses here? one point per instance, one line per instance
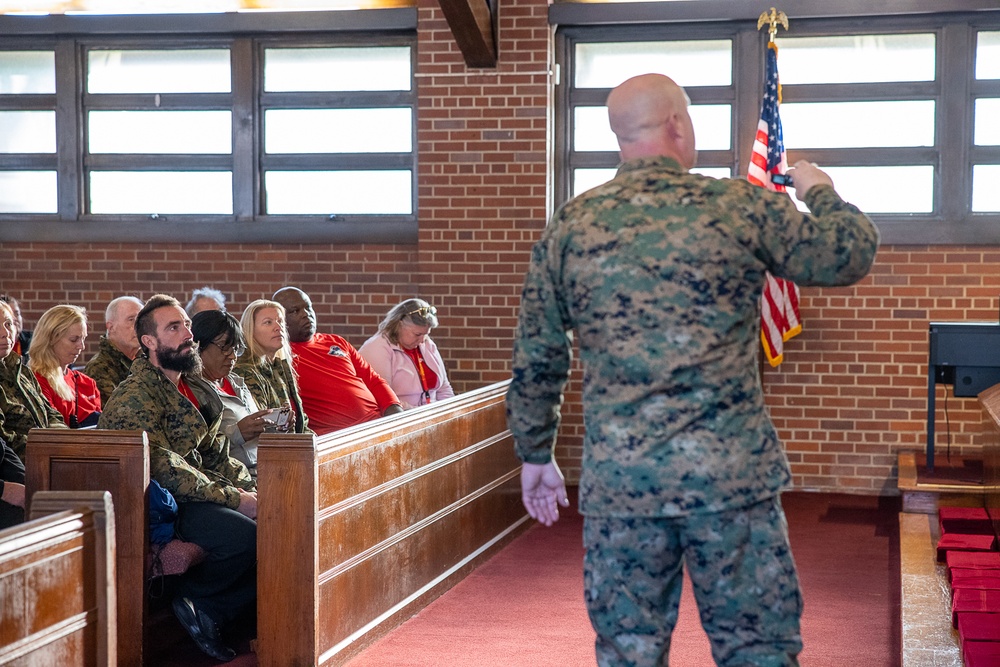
(231, 350)
(423, 311)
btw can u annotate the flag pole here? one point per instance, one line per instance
(779, 308)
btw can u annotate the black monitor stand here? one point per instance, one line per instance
(965, 355)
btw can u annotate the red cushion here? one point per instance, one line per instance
(978, 626)
(964, 573)
(970, 520)
(989, 560)
(981, 654)
(962, 542)
(175, 557)
(976, 581)
(971, 599)
(958, 573)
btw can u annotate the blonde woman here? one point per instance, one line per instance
(22, 405)
(59, 338)
(403, 353)
(266, 365)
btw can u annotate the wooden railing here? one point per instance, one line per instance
(990, 401)
(113, 461)
(361, 528)
(57, 583)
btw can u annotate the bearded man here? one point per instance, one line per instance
(189, 456)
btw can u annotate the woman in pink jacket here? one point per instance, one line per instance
(403, 353)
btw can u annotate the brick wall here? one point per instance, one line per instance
(352, 288)
(851, 392)
(853, 388)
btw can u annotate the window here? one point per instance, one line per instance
(902, 115)
(986, 135)
(264, 135)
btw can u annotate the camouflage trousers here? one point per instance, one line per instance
(744, 582)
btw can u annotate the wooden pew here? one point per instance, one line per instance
(57, 583)
(104, 460)
(359, 529)
(989, 399)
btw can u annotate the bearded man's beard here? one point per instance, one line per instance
(182, 359)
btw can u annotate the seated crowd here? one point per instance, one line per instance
(204, 386)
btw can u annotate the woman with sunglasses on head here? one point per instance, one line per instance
(403, 353)
(220, 343)
(57, 342)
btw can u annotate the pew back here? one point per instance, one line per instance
(990, 401)
(113, 461)
(57, 583)
(361, 528)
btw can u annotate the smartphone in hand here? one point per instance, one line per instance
(278, 419)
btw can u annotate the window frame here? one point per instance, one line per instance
(246, 35)
(954, 90)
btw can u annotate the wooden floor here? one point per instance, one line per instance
(928, 639)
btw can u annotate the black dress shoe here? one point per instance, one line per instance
(202, 629)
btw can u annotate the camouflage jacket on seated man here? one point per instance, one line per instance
(188, 452)
(22, 404)
(109, 368)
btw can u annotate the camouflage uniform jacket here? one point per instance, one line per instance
(22, 404)
(659, 272)
(188, 453)
(273, 385)
(108, 368)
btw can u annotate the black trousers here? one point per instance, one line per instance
(10, 515)
(224, 585)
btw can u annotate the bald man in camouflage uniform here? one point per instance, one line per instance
(659, 272)
(189, 456)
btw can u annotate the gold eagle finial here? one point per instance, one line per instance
(772, 19)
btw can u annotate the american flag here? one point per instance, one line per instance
(779, 301)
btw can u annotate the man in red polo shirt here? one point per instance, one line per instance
(337, 386)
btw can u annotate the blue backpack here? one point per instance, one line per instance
(162, 513)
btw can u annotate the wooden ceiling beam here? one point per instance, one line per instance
(471, 22)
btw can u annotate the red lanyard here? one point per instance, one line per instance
(418, 361)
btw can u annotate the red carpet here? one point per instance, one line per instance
(525, 606)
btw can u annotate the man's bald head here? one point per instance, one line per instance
(300, 318)
(649, 115)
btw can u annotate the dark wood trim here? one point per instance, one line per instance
(246, 132)
(69, 131)
(954, 122)
(585, 13)
(472, 24)
(979, 230)
(748, 75)
(397, 18)
(199, 229)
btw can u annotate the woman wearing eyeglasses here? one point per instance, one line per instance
(403, 353)
(220, 343)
